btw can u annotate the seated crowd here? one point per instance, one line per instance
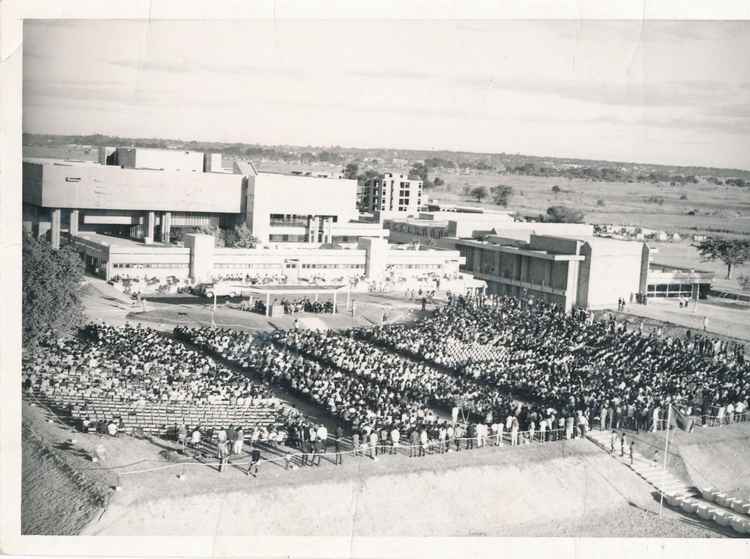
(574, 362)
(134, 364)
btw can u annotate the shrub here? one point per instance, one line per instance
(600, 203)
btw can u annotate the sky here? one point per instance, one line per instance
(654, 92)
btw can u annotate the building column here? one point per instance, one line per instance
(166, 226)
(73, 223)
(312, 231)
(149, 233)
(55, 236)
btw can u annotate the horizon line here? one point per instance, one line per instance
(456, 151)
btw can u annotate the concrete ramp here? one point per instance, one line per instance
(545, 489)
(722, 463)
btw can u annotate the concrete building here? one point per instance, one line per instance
(150, 203)
(200, 261)
(299, 209)
(588, 272)
(392, 195)
(445, 228)
(162, 159)
(138, 203)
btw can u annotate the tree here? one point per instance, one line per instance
(438, 181)
(51, 290)
(240, 237)
(556, 190)
(351, 171)
(369, 174)
(479, 192)
(563, 214)
(419, 171)
(501, 194)
(732, 252)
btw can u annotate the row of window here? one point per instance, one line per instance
(245, 265)
(418, 266)
(334, 266)
(157, 265)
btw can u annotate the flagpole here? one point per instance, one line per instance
(666, 451)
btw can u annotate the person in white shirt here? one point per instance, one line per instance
(395, 437)
(322, 435)
(373, 444)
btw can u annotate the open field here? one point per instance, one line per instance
(719, 209)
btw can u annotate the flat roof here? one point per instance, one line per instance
(119, 241)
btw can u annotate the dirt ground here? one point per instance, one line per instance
(559, 489)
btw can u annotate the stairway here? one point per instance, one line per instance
(707, 503)
(655, 474)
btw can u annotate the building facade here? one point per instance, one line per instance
(200, 261)
(148, 198)
(392, 194)
(588, 272)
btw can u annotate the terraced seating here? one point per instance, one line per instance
(159, 418)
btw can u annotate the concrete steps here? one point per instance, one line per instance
(707, 504)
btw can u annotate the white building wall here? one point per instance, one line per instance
(288, 194)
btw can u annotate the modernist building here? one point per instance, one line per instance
(445, 228)
(144, 194)
(200, 261)
(588, 272)
(393, 194)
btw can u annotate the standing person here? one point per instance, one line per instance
(514, 432)
(239, 441)
(655, 419)
(395, 437)
(338, 444)
(355, 443)
(318, 449)
(384, 439)
(414, 440)
(182, 436)
(423, 441)
(632, 444)
(459, 432)
(231, 438)
(603, 417)
(612, 441)
(705, 323)
(373, 444)
(221, 449)
(442, 435)
(195, 440)
(321, 434)
(622, 444)
(254, 462)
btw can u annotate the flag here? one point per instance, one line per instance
(681, 420)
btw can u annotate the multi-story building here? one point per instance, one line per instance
(392, 194)
(144, 196)
(589, 272)
(200, 261)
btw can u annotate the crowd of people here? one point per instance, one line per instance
(509, 371)
(409, 379)
(357, 400)
(134, 364)
(305, 304)
(571, 362)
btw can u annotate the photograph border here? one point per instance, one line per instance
(12, 15)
